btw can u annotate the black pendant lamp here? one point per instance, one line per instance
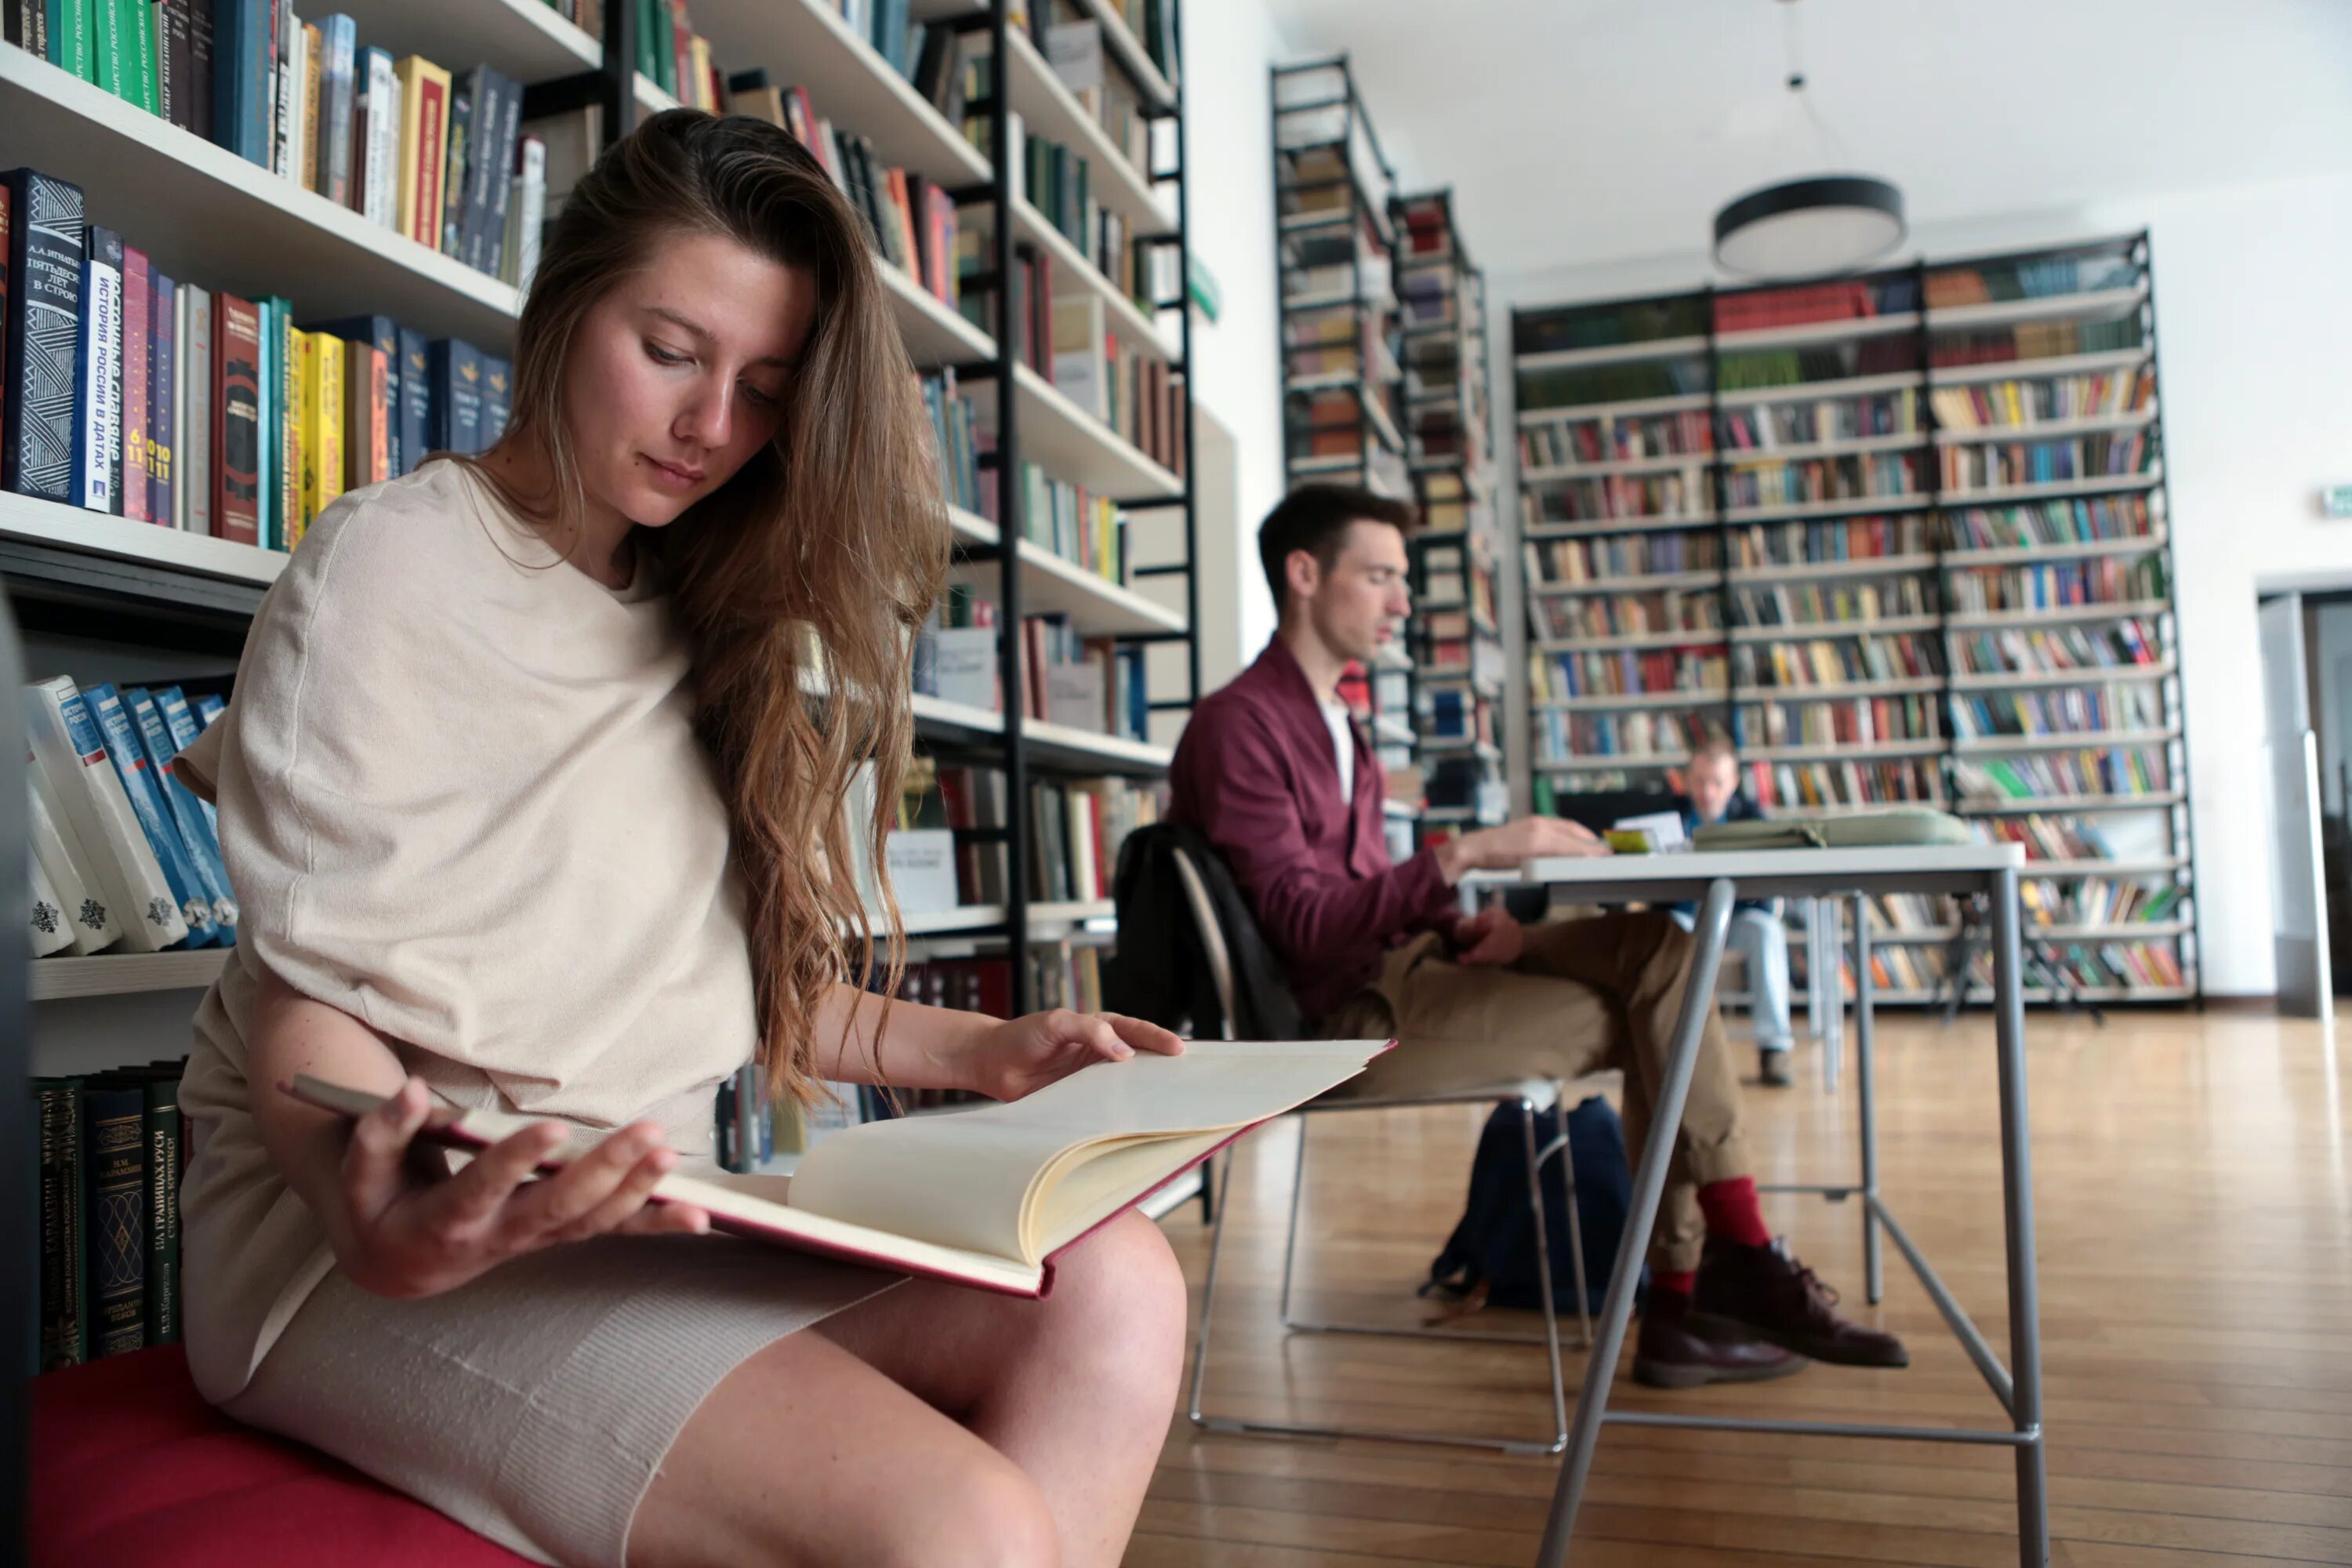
(1810, 226)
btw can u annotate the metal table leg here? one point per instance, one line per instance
(1829, 995)
(1873, 1271)
(1649, 1185)
(2017, 1213)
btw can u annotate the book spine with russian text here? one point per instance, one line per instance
(198, 414)
(196, 832)
(416, 414)
(64, 1280)
(237, 420)
(44, 262)
(336, 115)
(131, 456)
(98, 374)
(114, 1115)
(423, 145)
(162, 397)
(89, 915)
(159, 1169)
(127, 756)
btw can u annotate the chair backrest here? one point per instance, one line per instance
(1212, 935)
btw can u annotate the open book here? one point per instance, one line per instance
(987, 1197)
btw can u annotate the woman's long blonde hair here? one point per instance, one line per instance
(828, 547)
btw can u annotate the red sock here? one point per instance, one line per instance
(1732, 1213)
(1681, 1282)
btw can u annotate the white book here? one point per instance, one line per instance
(88, 916)
(380, 192)
(963, 665)
(195, 459)
(48, 931)
(67, 746)
(99, 402)
(527, 214)
(923, 869)
(1080, 819)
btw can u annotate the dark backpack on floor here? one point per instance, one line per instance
(1493, 1250)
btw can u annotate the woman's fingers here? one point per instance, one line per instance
(373, 1174)
(667, 1219)
(553, 1207)
(1145, 1036)
(475, 1195)
(626, 1197)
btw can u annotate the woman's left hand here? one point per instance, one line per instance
(1027, 1054)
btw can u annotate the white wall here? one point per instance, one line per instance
(1229, 46)
(2254, 342)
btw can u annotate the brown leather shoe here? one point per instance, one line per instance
(1671, 1353)
(1762, 1292)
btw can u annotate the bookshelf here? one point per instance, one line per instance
(1904, 537)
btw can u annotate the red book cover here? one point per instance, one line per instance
(432, 154)
(237, 420)
(681, 53)
(137, 299)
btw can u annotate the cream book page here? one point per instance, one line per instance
(1020, 1180)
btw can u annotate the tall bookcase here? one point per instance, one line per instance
(1457, 639)
(100, 598)
(1904, 537)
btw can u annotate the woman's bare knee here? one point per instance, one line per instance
(1122, 1293)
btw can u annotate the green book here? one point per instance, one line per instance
(64, 1260)
(111, 59)
(138, 23)
(72, 42)
(114, 1184)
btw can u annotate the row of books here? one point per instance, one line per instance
(1077, 827)
(1572, 327)
(2035, 278)
(1977, 466)
(2056, 585)
(403, 143)
(2079, 521)
(2049, 837)
(1830, 603)
(1071, 38)
(2022, 404)
(1633, 380)
(1568, 562)
(1753, 309)
(2036, 341)
(1756, 544)
(1631, 615)
(2102, 900)
(2094, 966)
(128, 392)
(1561, 737)
(1455, 713)
(1095, 685)
(1632, 497)
(2038, 775)
(1762, 426)
(1855, 722)
(2059, 649)
(1058, 180)
(1618, 438)
(1906, 780)
(111, 1149)
(2064, 710)
(947, 851)
(1452, 575)
(125, 858)
(1868, 474)
(1835, 661)
(1772, 369)
(1139, 395)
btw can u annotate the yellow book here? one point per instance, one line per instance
(423, 147)
(314, 151)
(322, 423)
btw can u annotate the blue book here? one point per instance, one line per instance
(181, 721)
(187, 811)
(241, 106)
(380, 332)
(40, 287)
(457, 376)
(415, 420)
(98, 374)
(208, 708)
(497, 398)
(128, 755)
(163, 408)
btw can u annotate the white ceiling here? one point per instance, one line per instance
(1577, 132)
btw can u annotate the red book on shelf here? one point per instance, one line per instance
(237, 420)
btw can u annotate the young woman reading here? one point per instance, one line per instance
(529, 810)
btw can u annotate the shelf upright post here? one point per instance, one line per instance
(1010, 522)
(19, 1196)
(2183, 844)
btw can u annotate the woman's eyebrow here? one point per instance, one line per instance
(695, 329)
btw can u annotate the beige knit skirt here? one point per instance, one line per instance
(534, 1405)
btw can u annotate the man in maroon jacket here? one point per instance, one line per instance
(1273, 770)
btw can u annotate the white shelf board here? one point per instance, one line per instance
(1830, 751)
(2069, 805)
(2093, 675)
(1842, 329)
(930, 328)
(2149, 868)
(2054, 489)
(2045, 430)
(1082, 748)
(1399, 810)
(97, 534)
(2091, 304)
(1388, 731)
(206, 216)
(1048, 110)
(2013, 554)
(1785, 696)
(1540, 532)
(1816, 390)
(120, 974)
(1842, 506)
(1074, 445)
(1843, 447)
(2036, 369)
(941, 922)
(939, 713)
(1854, 566)
(1095, 605)
(1069, 911)
(1634, 701)
(1460, 746)
(1634, 763)
(1814, 631)
(1629, 640)
(806, 43)
(2122, 610)
(1634, 583)
(1575, 413)
(2077, 741)
(1392, 656)
(1559, 473)
(651, 98)
(1128, 320)
(525, 39)
(1613, 353)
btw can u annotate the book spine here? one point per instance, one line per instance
(160, 1182)
(98, 374)
(450, 202)
(470, 181)
(237, 420)
(497, 398)
(105, 42)
(200, 442)
(73, 37)
(416, 412)
(270, 432)
(128, 756)
(69, 869)
(131, 454)
(144, 52)
(113, 1141)
(530, 195)
(343, 45)
(502, 175)
(26, 24)
(162, 403)
(197, 837)
(310, 63)
(44, 313)
(64, 1316)
(381, 198)
(290, 427)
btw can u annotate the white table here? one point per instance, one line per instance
(1717, 878)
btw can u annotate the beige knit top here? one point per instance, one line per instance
(461, 799)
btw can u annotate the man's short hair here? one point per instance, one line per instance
(1315, 518)
(1714, 743)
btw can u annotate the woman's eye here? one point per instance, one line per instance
(759, 397)
(661, 355)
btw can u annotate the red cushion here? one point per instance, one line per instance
(131, 1467)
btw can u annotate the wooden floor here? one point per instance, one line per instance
(2196, 1241)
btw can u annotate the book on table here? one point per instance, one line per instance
(988, 1197)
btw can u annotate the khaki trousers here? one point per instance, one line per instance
(1586, 994)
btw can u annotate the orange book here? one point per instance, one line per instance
(423, 147)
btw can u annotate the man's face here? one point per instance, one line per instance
(1712, 781)
(1362, 601)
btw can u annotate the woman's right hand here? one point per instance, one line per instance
(409, 1234)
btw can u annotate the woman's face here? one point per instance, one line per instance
(679, 375)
